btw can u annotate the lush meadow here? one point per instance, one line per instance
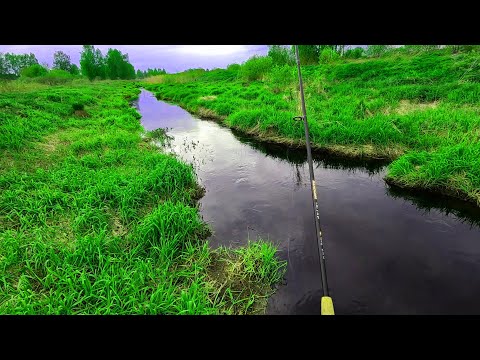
(96, 219)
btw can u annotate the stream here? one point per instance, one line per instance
(388, 251)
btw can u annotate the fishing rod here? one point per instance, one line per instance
(327, 303)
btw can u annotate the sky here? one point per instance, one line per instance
(172, 58)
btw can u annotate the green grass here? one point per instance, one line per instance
(94, 219)
(399, 107)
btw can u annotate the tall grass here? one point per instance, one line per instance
(386, 107)
(94, 220)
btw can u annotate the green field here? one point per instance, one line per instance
(419, 110)
(95, 219)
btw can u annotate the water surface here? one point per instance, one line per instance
(388, 251)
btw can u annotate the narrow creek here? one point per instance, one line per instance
(387, 251)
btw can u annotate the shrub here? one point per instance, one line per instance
(33, 71)
(281, 76)
(234, 67)
(328, 55)
(356, 53)
(376, 50)
(280, 55)
(77, 106)
(255, 68)
(55, 77)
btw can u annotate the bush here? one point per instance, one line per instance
(376, 50)
(255, 68)
(33, 71)
(280, 55)
(469, 48)
(234, 67)
(74, 70)
(8, 76)
(60, 74)
(282, 76)
(356, 53)
(77, 106)
(328, 55)
(55, 77)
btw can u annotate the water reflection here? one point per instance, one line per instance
(388, 252)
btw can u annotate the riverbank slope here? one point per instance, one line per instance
(419, 111)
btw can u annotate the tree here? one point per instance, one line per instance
(3, 64)
(356, 53)
(101, 64)
(328, 55)
(114, 64)
(74, 70)
(376, 50)
(150, 72)
(280, 55)
(92, 63)
(118, 65)
(308, 54)
(12, 64)
(61, 61)
(87, 62)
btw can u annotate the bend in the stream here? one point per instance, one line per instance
(388, 251)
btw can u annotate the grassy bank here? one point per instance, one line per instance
(420, 111)
(94, 219)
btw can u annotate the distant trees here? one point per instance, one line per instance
(118, 65)
(88, 63)
(308, 54)
(114, 66)
(280, 55)
(328, 55)
(12, 64)
(355, 53)
(376, 50)
(92, 63)
(61, 61)
(150, 72)
(4, 74)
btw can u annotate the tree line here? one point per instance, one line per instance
(315, 54)
(280, 58)
(114, 65)
(93, 65)
(150, 72)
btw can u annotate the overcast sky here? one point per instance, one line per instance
(172, 58)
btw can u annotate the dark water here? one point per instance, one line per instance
(388, 251)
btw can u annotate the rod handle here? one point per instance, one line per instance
(327, 306)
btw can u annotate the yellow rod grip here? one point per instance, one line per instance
(327, 306)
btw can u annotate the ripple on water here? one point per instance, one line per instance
(387, 252)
